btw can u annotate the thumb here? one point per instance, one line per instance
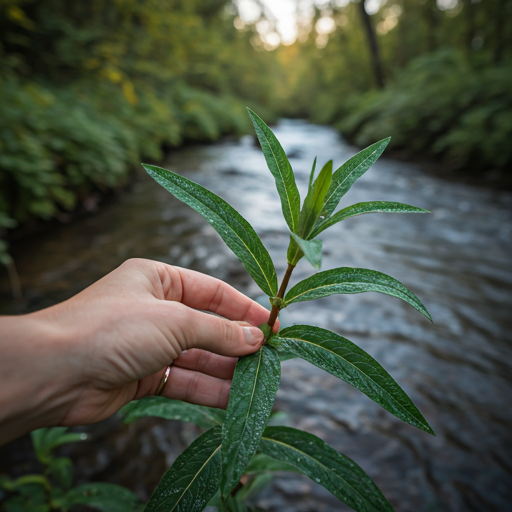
(196, 329)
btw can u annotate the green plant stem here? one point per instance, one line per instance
(275, 309)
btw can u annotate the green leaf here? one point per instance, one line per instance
(236, 232)
(344, 177)
(281, 169)
(25, 482)
(312, 249)
(361, 208)
(262, 463)
(193, 479)
(233, 504)
(172, 410)
(104, 496)
(324, 465)
(253, 391)
(61, 469)
(253, 488)
(32, 498)
(314, 202)
(45, 440)
(311, 176)
(352, 280)
(265, 329)
(347, 361)
(294, 253)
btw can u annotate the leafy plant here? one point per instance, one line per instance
(52, 489)
(218, 461)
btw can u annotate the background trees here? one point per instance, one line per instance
(89, 89)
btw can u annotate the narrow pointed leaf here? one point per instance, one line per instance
(352, 280)
(314, 202)
(172, 410)
(236, 232)
(261, 463)
(103, 496)
(361, 208)
(345, 176)
(312, 175)
(312, 250)
(294, 253)
(253, 391)
(347, 361)
(324, 465)
(45, 440)
(193, 479)
(281, 169)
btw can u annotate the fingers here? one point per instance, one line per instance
(197, 388)
(199, 291)
(208, 363)
(195, 329)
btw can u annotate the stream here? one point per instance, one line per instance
(457, 370)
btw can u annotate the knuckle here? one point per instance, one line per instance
(192, 387)
(230, 332)
(218, 297)
(134, 263)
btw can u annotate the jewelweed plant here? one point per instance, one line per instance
(239, 441)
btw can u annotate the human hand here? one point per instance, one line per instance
(111, 343)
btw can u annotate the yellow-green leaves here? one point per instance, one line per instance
(252, 395)
(344, 177)
(238, 234)
(281, 169)
(193, 479)
(324, 465)
(352, 280)
(347, 361)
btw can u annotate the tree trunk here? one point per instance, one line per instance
(372, 42)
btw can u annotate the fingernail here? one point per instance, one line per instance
(253, 335)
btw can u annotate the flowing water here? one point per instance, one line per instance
(458, 371)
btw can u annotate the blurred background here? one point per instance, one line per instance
(89, 89)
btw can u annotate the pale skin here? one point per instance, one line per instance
(80, 361)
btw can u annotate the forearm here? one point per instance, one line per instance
(35, 373)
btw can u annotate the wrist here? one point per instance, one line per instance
(38, 387)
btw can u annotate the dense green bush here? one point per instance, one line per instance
(89, 90)
(59, 144)
(441, 105)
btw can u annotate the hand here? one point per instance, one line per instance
(80, 361)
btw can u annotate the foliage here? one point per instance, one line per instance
(216, 466)
(90, 89)
(448, 73)
(442, 105)
(52, 490)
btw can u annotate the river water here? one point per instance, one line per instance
(458, 370)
